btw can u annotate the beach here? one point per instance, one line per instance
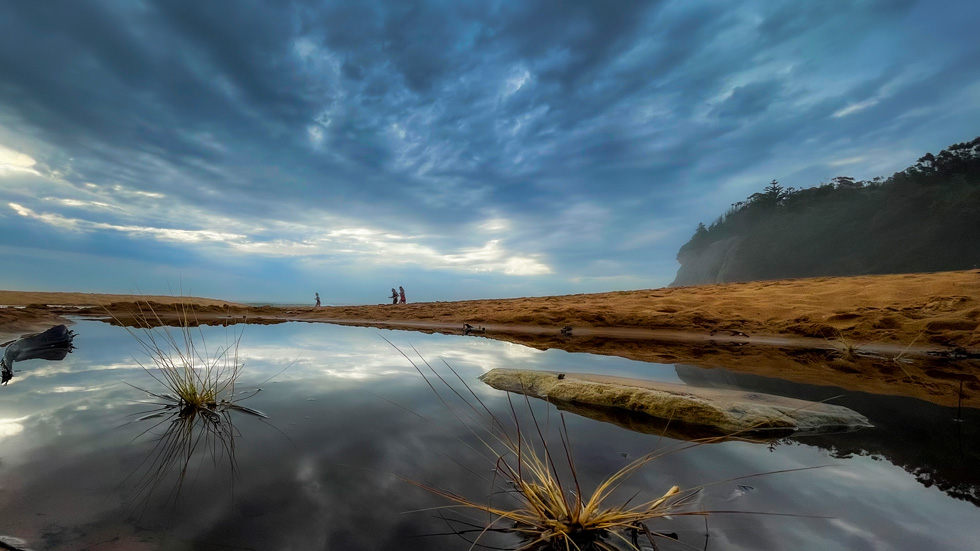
(903, 334)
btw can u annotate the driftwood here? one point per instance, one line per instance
(53, 344)
(718, 411)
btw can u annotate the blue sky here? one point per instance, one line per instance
(261, 151)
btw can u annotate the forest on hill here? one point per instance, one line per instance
(925, 218)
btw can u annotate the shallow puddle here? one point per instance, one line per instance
(350, 419)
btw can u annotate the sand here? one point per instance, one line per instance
(938, 308)
(29, 312)
(888, 334)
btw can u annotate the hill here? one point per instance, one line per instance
(923, 219)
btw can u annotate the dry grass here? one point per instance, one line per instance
(199, 393)
(542, 499)
(195, 377)
(842, 347)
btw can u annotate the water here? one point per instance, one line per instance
(328, 469)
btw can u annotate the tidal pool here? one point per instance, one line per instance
(350, 421)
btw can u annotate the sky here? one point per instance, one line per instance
(262, 151)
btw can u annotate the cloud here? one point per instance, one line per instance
(10, 427)
(517, 138)
(750, 99)
(375, 246)
(14, 161)
(163, 234)
(854, 107)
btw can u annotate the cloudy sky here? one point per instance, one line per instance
(261, 151)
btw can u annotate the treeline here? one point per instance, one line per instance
(925, 218)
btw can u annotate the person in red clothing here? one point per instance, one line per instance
(401, 294)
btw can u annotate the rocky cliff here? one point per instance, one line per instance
(923, 219)
(714, 264)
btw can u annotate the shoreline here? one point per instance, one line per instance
(939, 309)
(903, 334)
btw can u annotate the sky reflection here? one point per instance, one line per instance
(345, 421)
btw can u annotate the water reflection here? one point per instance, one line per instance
(53, 345)
(327, 481)
(648, 424)
(187, 431)
(921, 437)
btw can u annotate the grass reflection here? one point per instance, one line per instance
(537, 492)
(194, 408)
(179, 433)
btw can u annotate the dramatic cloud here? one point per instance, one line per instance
(463, 149)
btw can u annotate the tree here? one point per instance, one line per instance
(845, 182)
(771, 196)
(925, 218)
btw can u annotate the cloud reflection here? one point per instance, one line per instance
(321, 475)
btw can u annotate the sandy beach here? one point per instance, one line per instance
(904, 334)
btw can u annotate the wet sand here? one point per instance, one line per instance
(902, 334)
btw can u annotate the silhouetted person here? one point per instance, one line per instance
(394, 296)
(317, 299)
(401, 294)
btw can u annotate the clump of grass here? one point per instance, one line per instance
(198, 393)
(550, 516)
(544, 502)
(842, 347)
(195, 377)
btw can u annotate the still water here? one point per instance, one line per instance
(349, 420)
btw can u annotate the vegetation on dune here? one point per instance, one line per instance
(923, 219)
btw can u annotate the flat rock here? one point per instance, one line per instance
(724, 411)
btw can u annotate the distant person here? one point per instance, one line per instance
(394, 296)
(317, 299)
(401, 294)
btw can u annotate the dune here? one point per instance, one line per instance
(940, 308)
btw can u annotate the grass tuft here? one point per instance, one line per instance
(536, 493)
(197, 396)
(195, 378)
(842, 347)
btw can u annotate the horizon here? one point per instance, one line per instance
(258, 153)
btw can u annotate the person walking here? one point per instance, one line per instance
(394, 296)
(401, 293)
(317, 300)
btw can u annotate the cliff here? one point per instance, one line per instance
(923, 219)
(713, 264)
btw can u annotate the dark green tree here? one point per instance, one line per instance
(925, 218)
(770, 198)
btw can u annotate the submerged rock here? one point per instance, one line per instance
(722, 411)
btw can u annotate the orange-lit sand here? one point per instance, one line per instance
(794, 329)
(938, 308)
